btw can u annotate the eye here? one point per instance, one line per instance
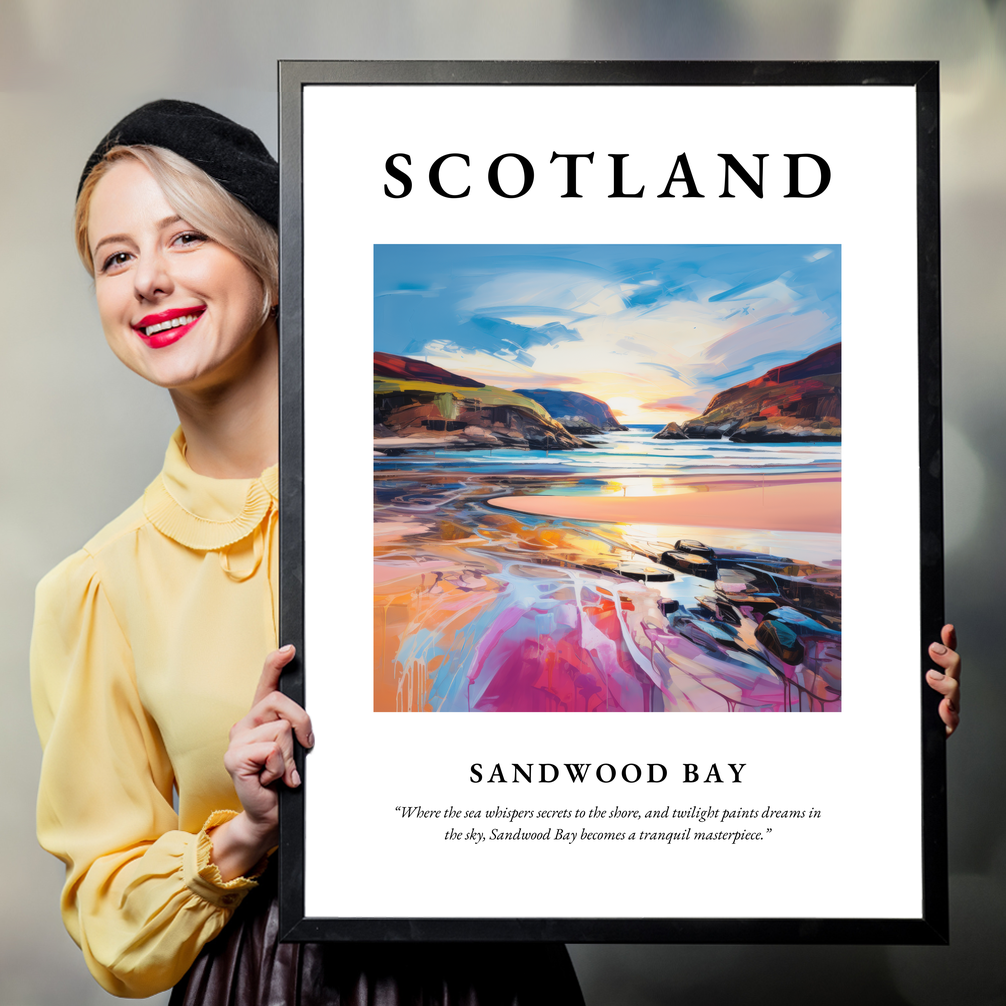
(189, 239)
(115, 261)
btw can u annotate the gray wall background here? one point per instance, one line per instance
(82, 436)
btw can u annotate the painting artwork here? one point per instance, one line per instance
(607, 478)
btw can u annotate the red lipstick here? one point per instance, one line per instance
(166, 327)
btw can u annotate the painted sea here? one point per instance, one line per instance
(623, 606)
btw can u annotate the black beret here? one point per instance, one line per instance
(231, 154)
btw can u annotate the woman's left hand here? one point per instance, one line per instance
(947, 682)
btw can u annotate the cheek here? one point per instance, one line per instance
(222, 278)
(246, 300)
(113, 311)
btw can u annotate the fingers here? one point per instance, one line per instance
(271, 671)
(262, 761)
(280, 763)
(277, 706)
(272, 761)
(261, 749)
(949, 636)
(270, 703)
(947, 686)
(949, 661)
(947, 680)
(265, 751)
(948, 709)
(947, 658)
(950, 716)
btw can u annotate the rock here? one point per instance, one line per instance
(720, 610)
(709, 635)
(780, 639)
(645, 571)
(478, 435)
(695, 547)
(685, 562)
(802, 624)
(800, 401)
(735, 582)
(671, 432)
(444, 410)
(581, 428)
(696, 430)
(783, 430)
(574, 409)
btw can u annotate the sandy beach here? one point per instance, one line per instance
(775, 506)
(484, 602)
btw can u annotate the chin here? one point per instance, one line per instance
(176, 382)
(171, 374)
(191, 364)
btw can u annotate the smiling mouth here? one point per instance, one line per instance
(167, 321)
(167, 327)
(185, 319)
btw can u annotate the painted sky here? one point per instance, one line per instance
(653, 330)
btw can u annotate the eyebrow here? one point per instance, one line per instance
(160, 225)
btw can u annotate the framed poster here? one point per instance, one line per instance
(604, 317)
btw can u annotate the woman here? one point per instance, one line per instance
(149, 642)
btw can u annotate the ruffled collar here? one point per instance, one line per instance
(203, 513)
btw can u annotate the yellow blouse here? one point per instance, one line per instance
(147, 647)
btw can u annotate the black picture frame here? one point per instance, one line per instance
(932, 926)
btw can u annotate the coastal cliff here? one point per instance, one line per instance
(419, 406)
(580, 414)
(800, 401)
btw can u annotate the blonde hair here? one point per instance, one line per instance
(199, 200)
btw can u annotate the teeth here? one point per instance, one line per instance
(174, 323)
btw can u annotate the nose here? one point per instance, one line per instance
(152, 277)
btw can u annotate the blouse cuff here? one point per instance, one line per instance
(202, 876)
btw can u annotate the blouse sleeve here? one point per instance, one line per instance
(141, 898)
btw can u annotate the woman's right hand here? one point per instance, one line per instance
(260, 753)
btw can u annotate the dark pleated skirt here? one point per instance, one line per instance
(246, 965)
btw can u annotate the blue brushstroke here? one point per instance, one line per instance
(427, 297)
